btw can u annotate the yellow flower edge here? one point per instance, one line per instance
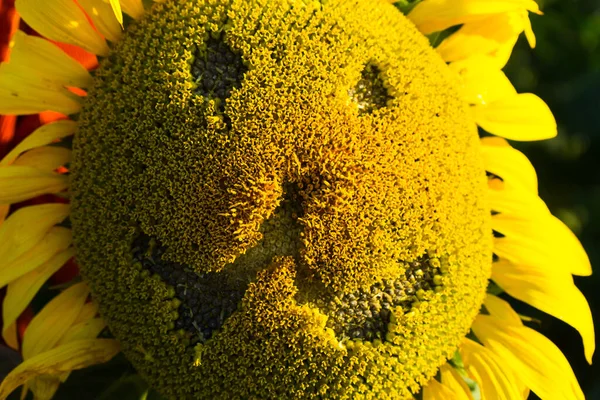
(536, 253)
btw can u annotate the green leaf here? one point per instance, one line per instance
(406, 6)
(458, 364)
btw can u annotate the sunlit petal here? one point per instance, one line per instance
(436, 15)
(42, 136)
(530, 356)
(24, 94)
(63, 21)
(488, 371)
(523, 117)
(482, 81)
(511, 165)
(550, 291)
(38, 57)
(104, 14)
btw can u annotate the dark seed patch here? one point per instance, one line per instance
(217, 69)
(365, 314)
(207, 299)
(370, 93)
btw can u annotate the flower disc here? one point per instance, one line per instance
(280, 199)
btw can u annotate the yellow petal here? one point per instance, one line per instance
(46, 158)
(84, 330)
(523, 117)
(115, 5)
(436, 15)
(55, 319)
(540, 241)
(39, 57)
(455, 383)
(24, 392)
(502, 54)
(18, 183)
(482, 81)
(66, 358)
(104, 14)
(88, 311)
(44, 386)
(133, 8)
(551, 292)
(529, 31)
(9, 334)
(501, 310)
(42, 136)
(436, 391)
(29, 94)
(530, 356)
(21, 291)
(511, 165)
(4, 208)
(56, 240)
(27, 226)
(515, 201)
(488, 372)
(63, 21)
(482, 37)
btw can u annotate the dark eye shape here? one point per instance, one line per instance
(217, 69)
(370, 93)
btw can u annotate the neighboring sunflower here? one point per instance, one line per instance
(275, 199)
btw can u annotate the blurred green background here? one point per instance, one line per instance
(564, 70)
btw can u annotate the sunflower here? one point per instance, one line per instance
(285, 199)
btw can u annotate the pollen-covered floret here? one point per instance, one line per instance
(280, 199)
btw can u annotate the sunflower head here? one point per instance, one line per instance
(290, 197)
(283, 199)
